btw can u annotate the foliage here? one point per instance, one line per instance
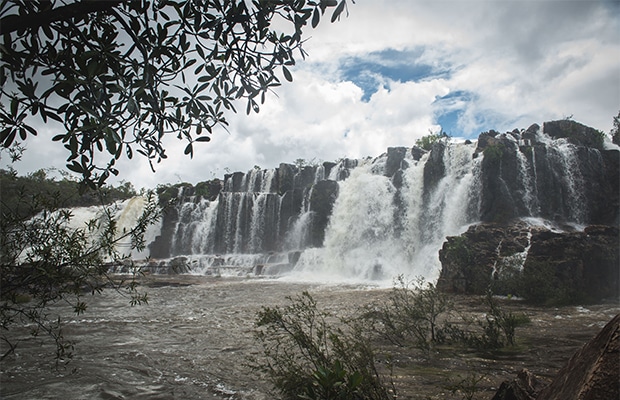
(615, 131)
(116, 77)
(412, 313)
(202, 188)
(306, 357)
(63, 193)
(467, 385)
(45, 260)
(493, 153)
(427, 142)
(497, 323)
(421, 315)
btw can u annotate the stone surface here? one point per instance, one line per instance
(592, 373)
(550, 267)
(525, 387)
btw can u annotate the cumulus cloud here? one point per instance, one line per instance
(396, 69)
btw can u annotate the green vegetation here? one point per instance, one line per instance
(116, 77)
(427, 142)
(45, 259)
(309, 354)
(421, 315)
(493, 152)
(306, 357)
(412, 313)
(17, 191)
(615, 130)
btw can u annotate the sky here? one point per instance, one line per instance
(394, 70)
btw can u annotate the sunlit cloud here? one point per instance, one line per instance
(393, 70)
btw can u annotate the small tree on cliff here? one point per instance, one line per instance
(615, 131)
(117, 76)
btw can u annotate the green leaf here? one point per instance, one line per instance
(189, 149)
(287, 74)
(14, 106)
(75, 167)
(316, 17)
(338, 10)
(203, 139)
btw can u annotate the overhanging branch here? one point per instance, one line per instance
(14, 23)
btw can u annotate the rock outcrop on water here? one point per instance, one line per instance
(375, 218)
(540, 264)
(593, 373)
(558, 262)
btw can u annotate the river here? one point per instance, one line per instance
(191, 341)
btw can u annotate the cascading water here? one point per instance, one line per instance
(365, 240)
(373, 219)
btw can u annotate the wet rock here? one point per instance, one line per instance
(525, 387)
(593, 373)
(395, 158)
(322, 200)
(575, 132)
(557, 268)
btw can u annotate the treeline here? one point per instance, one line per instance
(24, 196)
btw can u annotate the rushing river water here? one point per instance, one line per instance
(192, 341)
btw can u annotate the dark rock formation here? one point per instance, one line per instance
(469, 261)
(593, 373)
(575, 132)
(525, 387)
(533, 262)
(558, 173)
(322, 200)
(523, 176)
(434, 169)
(395, 158)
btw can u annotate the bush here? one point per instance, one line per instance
(305, 357)
(498, 327)
(427, 142)
(541, 283)
(419, 314)
(412, 313)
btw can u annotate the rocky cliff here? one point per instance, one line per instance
(393, 212)
(537, 263)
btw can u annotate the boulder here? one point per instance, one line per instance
(525, 387)
(574, 132)
(394, 162)
(541, 265)
(322, 200)
(593, 373)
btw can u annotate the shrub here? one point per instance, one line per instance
(427, 142)
(493, 152)
(412, 313)
(305, 357)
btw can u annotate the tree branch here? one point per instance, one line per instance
(14, 23)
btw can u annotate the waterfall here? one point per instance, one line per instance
(373, 219)
(359, 238)
(362, 240)
(448, 209)
(563, 164)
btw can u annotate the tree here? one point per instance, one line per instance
(615, 131)
(118, 76)
(46, 258)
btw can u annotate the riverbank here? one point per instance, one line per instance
(195, 336)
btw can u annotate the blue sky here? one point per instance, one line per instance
(395, 70)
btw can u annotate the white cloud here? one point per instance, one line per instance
(508, 64)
